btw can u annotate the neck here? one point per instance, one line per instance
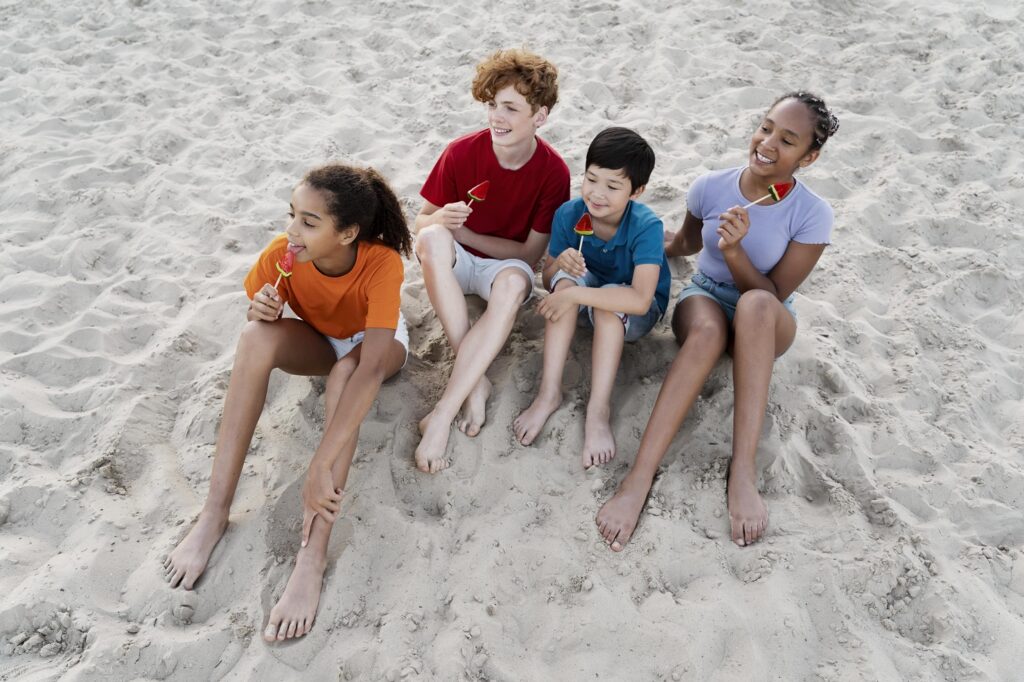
(338, 263)
(754, 187)
(514, 158)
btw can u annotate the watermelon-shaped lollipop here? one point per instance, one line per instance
(479, 193)
(284, 266)
(776, 191)
(584, 228)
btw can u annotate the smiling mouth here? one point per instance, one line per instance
(502, 131)
(761, 158)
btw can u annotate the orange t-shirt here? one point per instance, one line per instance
(368, 295)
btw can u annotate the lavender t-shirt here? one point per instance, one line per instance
(802, 216)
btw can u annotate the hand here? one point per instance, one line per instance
(571, 262)
(266, 305)
(557, 304)
(733, 228)
(319, 496)
(452, 216)
(670, 237)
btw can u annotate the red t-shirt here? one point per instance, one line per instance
(517, 201)
(366, 296)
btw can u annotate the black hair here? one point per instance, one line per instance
(825, 122)
(622, 149)
(362, 197)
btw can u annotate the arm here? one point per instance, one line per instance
(318, 494)
(529, 251)
(792, 269)
(632, 300)
(687, 241)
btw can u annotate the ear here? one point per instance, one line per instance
(540, 117)
(638, 191)
(809, 158)
(347, 235)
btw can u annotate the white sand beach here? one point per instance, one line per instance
(148, 150)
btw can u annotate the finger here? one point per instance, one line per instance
(307, 525)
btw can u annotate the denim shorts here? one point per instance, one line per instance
(637, 326)
(726, 295)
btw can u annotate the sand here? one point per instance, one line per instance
(148, 151)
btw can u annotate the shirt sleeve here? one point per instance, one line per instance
(439, 187)
(384, 294)
(264, 271)
(554, 193)
(561, 228)
(695, 197)
(649, 245)
(816, 225)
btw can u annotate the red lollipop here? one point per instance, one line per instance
(479, 193)
(284, 266)
(584, 228)
(776, 191)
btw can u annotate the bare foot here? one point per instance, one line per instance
(527, 426)
(598, 441)
(474, 410)
(618, 517)
(748, 514)
(430, 453)
(188, 560)
(293, 614)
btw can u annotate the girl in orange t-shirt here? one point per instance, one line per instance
(345, 233)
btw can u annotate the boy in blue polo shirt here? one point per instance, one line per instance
(619, 284)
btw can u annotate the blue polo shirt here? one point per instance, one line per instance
(640, 240)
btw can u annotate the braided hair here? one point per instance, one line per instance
(362, 197)
(825, 122)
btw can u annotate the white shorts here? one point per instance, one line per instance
(343, 347)
(476, 274)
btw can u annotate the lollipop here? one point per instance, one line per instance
(583, 228)
(479, 193)
(284, 266)
(776, 191)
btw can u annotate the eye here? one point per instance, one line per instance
(307, 223)
(290, 214)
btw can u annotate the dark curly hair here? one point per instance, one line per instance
(825, 122)
(361, 196)
(533, 77)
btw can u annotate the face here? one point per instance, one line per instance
(312, 228)
(782, 142)
(606, 193)
(511, 118)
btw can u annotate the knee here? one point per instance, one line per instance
(434, 244)
(757, 304)
(256, 343)
(340, 374)
(707, 331)
(510, 288)
(604, 318)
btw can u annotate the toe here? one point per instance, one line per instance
(292, 625)
(270, 632)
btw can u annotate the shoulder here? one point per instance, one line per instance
(570, 211)
(468, 143)
(381, 259)
(642, 215)
(552, 159)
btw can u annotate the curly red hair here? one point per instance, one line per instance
(533, 77)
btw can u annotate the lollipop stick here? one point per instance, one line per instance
(277, 282)
(766, 196)
(580, 249)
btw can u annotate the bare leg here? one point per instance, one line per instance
(557, 339)
(294, 613)
(609, 336)
(700, 325)
(291, 345)
(763, 330)
(483, 342)
(435, 248)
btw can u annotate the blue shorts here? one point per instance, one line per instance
(637, 326)
(726, 295)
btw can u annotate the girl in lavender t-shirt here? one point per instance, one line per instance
(750, 263)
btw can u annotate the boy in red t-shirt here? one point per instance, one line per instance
(490, 247)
